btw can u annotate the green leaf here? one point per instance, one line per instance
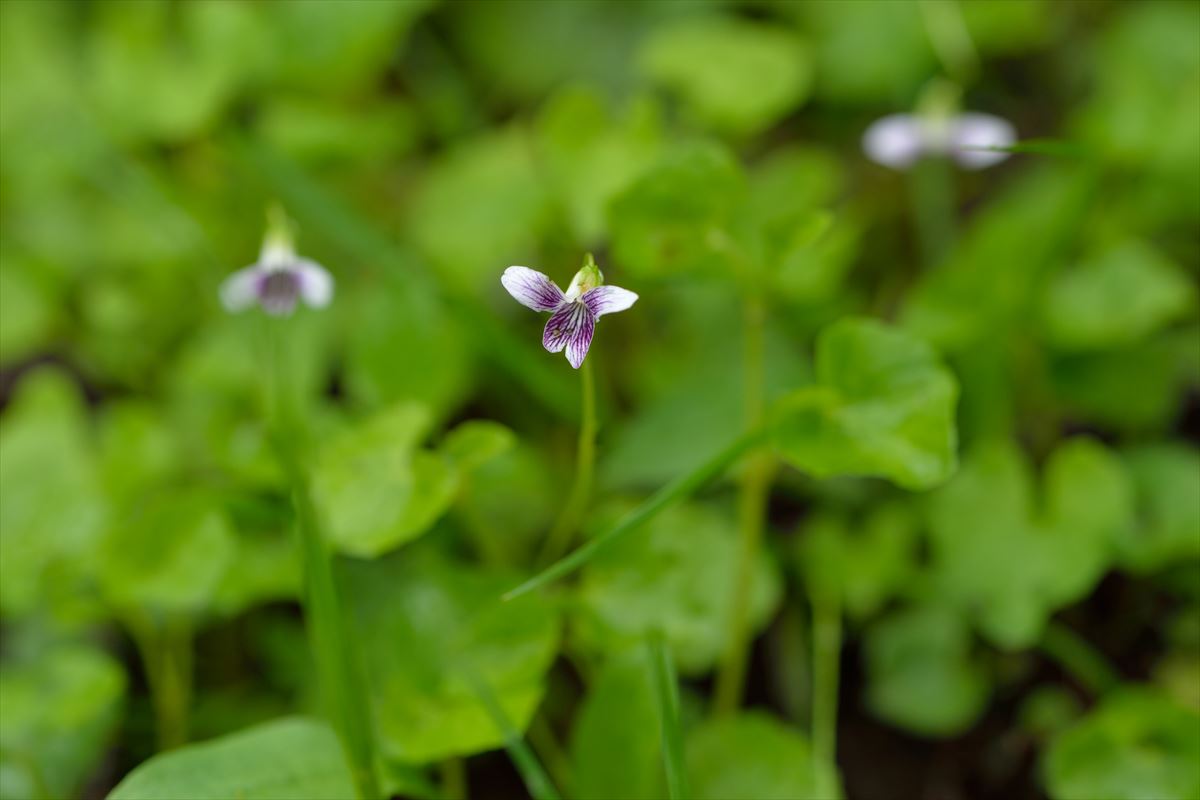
(294, 758)
(868, 52)
(674, 218)
(720, 67)
(1014, 560)
(383, 367)
(1137, 743)
(867, 562)
(692, 409)
(169, 555)
(922, 675)
(1168, 500)
(481, 204)
(1118, 298)
(374, 486)
(1134, 388)
(618, 723)
(591, 156)
(476, 442)
(27, 312)
(317, 46)
(52, 508)
(883, 405)
(428, 627)
(992, 278)
(158, 74)
(677, 577)
(60, 711)
(752, 755)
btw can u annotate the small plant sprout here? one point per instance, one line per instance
(573, 313)
(280, 278)
(939, 129)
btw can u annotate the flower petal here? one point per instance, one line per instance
(581, 338)
(532, 289)
(316, 284)
(240, 290)
(560, 326)
(980, 130)
(895, 141)
(570, 327)
(608, 300)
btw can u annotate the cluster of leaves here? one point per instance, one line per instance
(422, 148)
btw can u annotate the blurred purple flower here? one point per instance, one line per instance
(899, 140)
(278, 280)
(574, 312)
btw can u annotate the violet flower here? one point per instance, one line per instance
(279, 279)
(898, 140)
(574, 312)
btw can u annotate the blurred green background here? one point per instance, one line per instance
(1029, 628)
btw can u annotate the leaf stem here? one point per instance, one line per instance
(666, 686)
(753, 490)
(1078, 657)
(827, 650)
(665, 497)
(567, 524)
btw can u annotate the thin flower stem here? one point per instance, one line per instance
(827, 651)
(666, 686)
(931, 183)
(1083, 661)
(166, 650)
(339, 671)
(567, 524)
(664, 498)
(753, 491)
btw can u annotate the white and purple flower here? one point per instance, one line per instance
(573, 313)
(898, 140)
(278, 280)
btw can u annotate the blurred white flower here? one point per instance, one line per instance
(899, 140)
(279, 279)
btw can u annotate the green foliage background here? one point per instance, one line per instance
(988, 441)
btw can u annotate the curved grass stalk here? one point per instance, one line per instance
(666, 686)
(532, 773)
(664, 498)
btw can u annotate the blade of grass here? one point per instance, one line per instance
(536, 780)
(668, 495)
(1079, 658)
(666, 687)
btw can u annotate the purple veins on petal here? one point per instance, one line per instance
(570, 327)
(581, 338)
(561, 325)
(608, 300)
(532, 289)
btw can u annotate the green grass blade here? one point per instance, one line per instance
(666, 687)
(537, 781)
(672, 493)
